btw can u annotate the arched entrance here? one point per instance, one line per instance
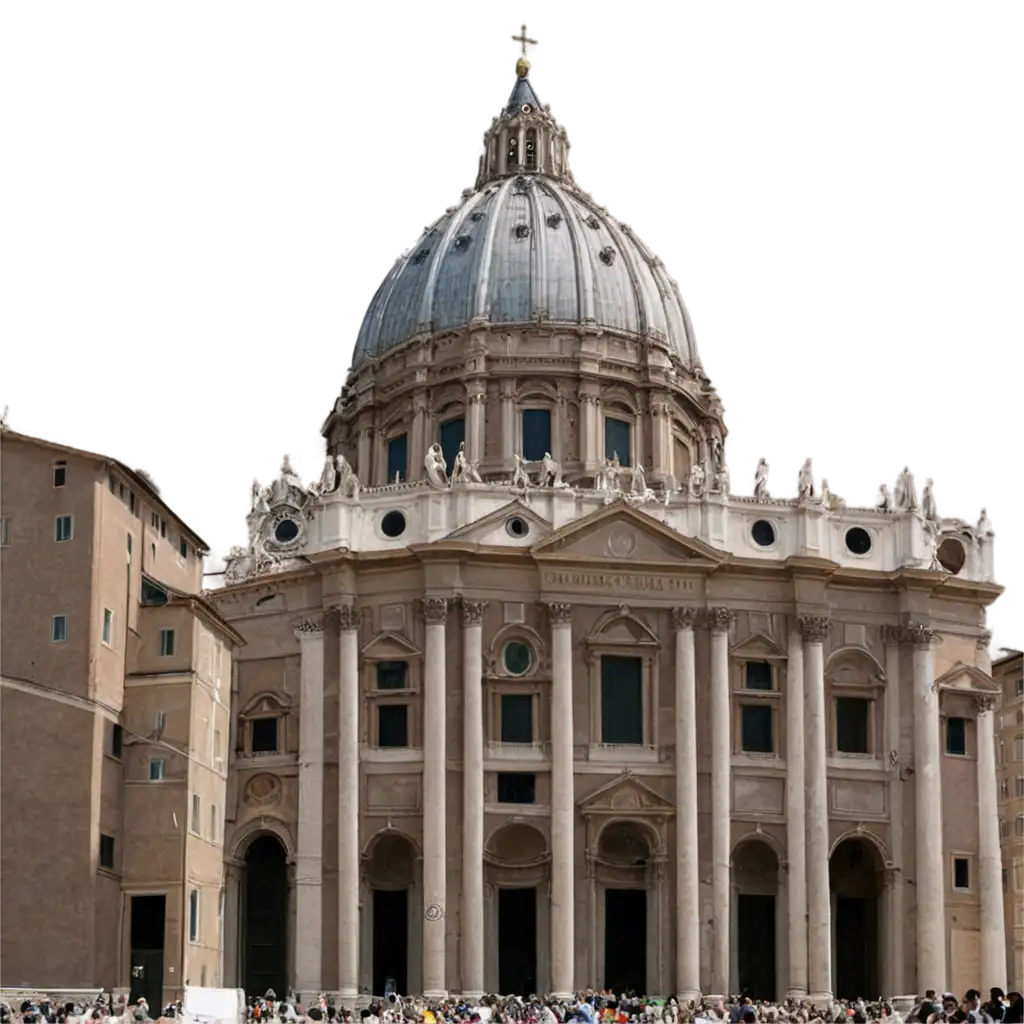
(515, 875)
(755, 884)
(265, 909)
(391, 875)
(624, 873)
(855, 875)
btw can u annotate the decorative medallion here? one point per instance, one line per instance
(621, 542)
(263, 789)
(433, 911)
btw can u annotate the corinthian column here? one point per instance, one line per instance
(472, 940)
(815, 628)
(993, 936)
(310, 837)
(563, 950)
(435, 612)
(931, 907)
(796, 852)
(687, 873)
(721, 799)
(348, 803)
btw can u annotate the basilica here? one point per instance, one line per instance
(534, 696)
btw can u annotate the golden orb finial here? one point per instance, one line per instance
(523, 65)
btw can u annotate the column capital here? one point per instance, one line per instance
(983, 639)
(472, 611)
(347, 616)
(683, 618)
(433, 610)
(984, 702)
(559, 613)
(720, 619)
(918, 634)
(309, 629)
(814, 628)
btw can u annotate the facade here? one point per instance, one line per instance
(1008, 673)
(114, 715)
(531, 701)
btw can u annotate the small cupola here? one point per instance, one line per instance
(524, 138)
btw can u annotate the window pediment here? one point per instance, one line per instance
(627, 796)
(265, 704)
(622, 628)
(490, 529)
(388, 646)
(854, 666)
(758, 647)
(967, 679)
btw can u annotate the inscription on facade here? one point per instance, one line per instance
(620, 581)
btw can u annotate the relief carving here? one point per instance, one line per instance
(263, 790)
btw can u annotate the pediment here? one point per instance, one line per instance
(758, 647)
(625, 795)
(491, 528)
(621, 626)
(620, 533)
(967, 679)
(265, 704)
(389, 646)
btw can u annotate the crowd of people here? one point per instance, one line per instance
(589, 1007)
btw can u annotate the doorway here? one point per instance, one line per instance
(756, 941)
(625, 940)
(517, 941)
(147, 942)
(266, 917)
(390, 941)
(855, 875)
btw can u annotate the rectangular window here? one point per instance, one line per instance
(182, 548)
(159, 721)
(112, 481)
(392, 725)
(622, 712)
(6, 532)
(536, 434)
(193, 916)
(128, 538)
(116, 740)
(108, 625)
(516, 718)
(156, 769)
(758, 675)
(1018, 748)
(63, 528)
(398, 458)
(131, 502)
(956, 736)
(60, 474)
(166, 643)
(961, 873)
(1018, 685)
(197, 814)
(154, 520)
(852, 725)
(517, 788)
(107, 852)
(163, 528)
(264, 735)
(392, 675)
(1019, 786)
(756, 729)
(213, 824)
(453, 433)
(616, 440)
(59, 629)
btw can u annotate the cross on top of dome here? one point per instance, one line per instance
(522, 38)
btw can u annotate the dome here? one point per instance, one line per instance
(527, 246)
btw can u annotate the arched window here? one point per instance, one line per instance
(531, 149)
(513, 150)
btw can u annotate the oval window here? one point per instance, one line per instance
(285, 531)
(763, 533)
(393, 524)
(951, 555)
(858, 540)
(517, 527)
(517, 658)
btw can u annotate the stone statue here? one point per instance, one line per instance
(697, 478)
(984, 527)
(460, 468)
(473, 472)
(723, 479)
(348, 482)
(520, 478)
(905, 492)
(550, 472)
(436, 467)
(638, 483)
(256, 491)
(805, 482)
(761, 481)
(717, 459)
(287, 481)
(884, 501)
(928, 502)
(829, 500)
(329, 477)
(931, 529)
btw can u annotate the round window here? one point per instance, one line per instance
(763, 533)
(951, 555)
(517, 658)
(285, 531)
(858, 540)
(393, 524)
(517, 527)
